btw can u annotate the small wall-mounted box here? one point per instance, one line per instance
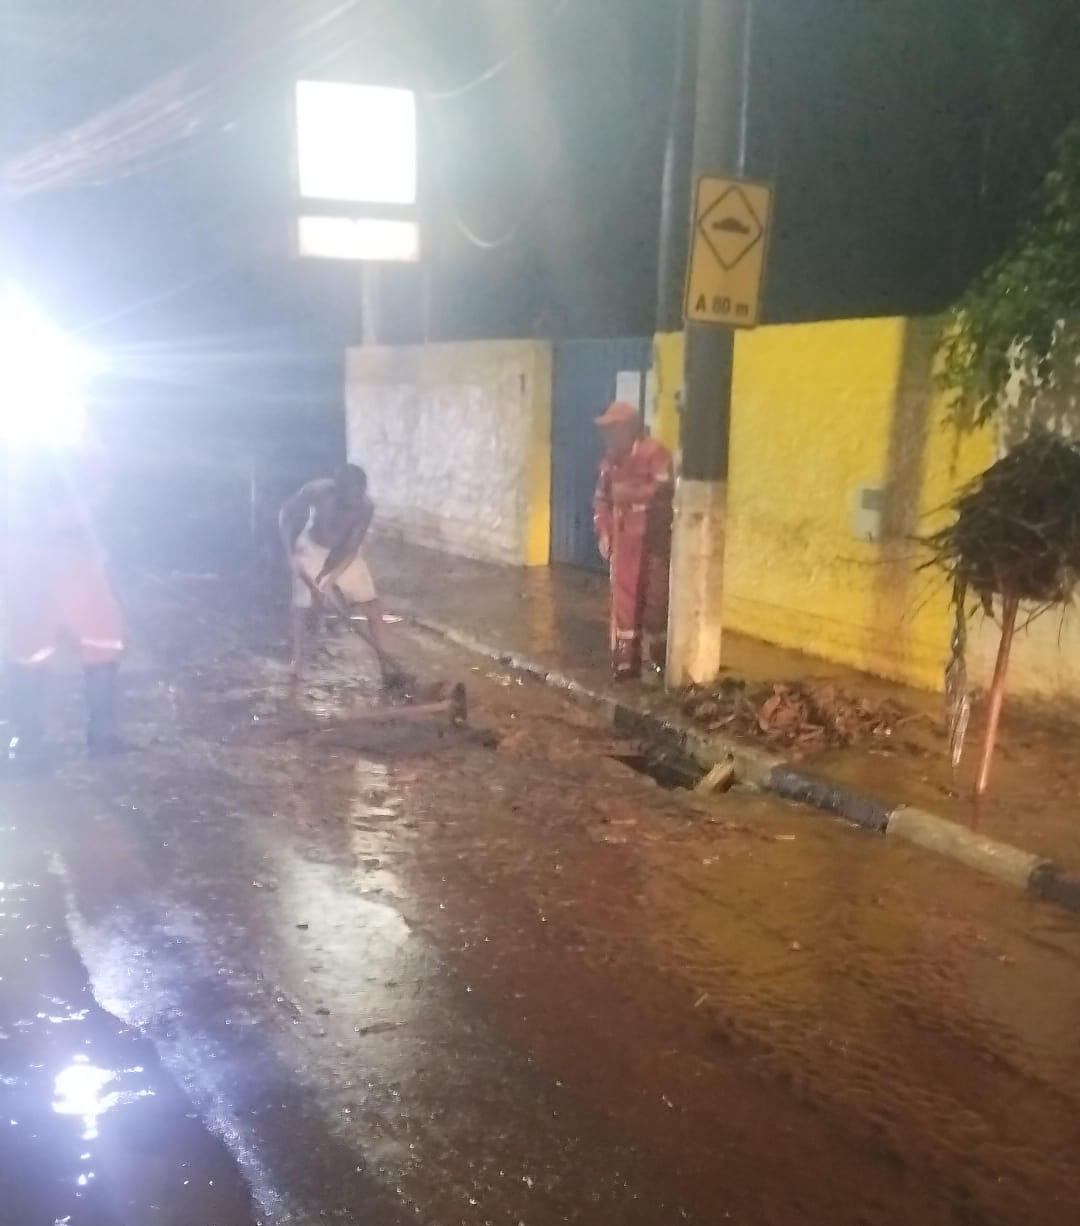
(869, 517)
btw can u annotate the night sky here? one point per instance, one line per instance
(905, 138)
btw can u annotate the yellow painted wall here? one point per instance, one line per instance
(538, 530)
(820, 410)
(668, 373)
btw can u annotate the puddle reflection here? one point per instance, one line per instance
(83, 1090)
(91, 1121)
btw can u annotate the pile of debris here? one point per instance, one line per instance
(1016, 537)
(795, 715)
(1016, 531)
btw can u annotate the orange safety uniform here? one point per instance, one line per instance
(56, 587)
(632, 509)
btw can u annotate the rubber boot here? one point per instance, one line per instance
(626, 659)
(26, 697)
(102, 703)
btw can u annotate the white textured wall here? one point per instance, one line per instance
(449, 435)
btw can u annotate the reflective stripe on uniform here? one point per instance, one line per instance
(39, 657)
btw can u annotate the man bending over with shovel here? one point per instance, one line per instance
(323, 526)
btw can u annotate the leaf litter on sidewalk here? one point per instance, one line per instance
(798, 715)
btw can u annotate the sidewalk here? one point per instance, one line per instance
(556, 619)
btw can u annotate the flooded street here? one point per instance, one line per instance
(539, 555)
(94, 1130)
(263, 969)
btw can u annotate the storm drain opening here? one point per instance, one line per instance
(671, 773)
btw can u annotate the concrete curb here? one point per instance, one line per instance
(942, 836)
(1006, 863)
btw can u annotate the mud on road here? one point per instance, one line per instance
(419, 974)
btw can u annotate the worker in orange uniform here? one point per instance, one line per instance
(632, 513)
(56, 590)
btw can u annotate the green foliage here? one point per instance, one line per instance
(1007, 333)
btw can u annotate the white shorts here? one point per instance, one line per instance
(354, 583)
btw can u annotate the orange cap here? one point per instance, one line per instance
(619, 414)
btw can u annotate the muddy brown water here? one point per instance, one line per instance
(558, 617)
(415, 977)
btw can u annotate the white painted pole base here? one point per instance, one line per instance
(695, 614)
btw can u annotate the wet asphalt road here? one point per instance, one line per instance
(92, 1129)
(399, 975)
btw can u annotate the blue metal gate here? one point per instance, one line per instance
(587, 376)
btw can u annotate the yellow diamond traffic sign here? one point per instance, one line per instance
(728, 249)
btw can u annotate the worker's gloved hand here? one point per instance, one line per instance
(604, 545)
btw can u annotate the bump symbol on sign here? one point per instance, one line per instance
(731, 228)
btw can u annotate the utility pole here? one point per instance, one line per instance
(676, 189)
(697, 569)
